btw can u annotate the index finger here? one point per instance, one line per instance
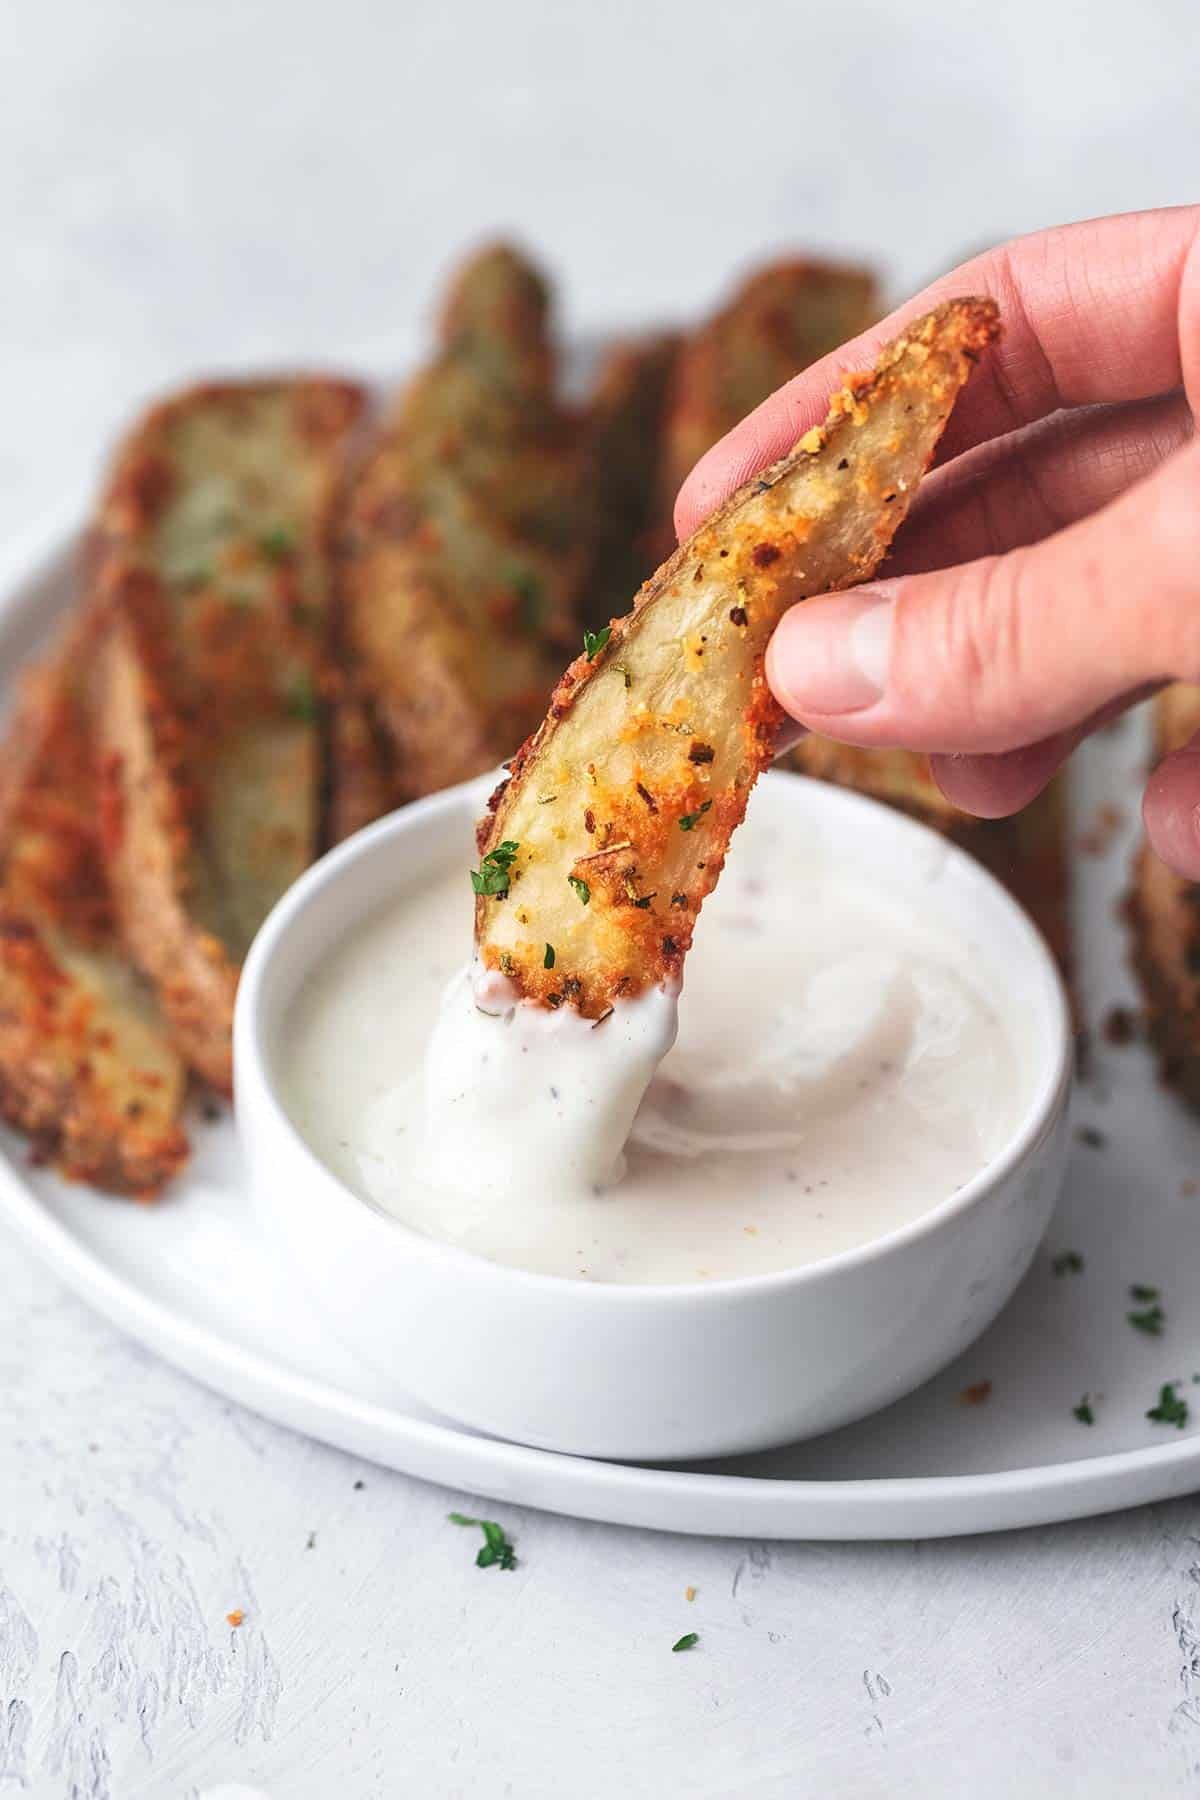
(1090, 315)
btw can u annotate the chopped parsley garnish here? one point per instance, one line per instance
(548, 959)
(1151, 1321)
(594, 642)
(1171, 1410)
(496, 1547)
(1144, 1294)
(581, 888)
(688, 1641)
(302, 699)
(277, 543)
(1068, 1262)
(1083, 1412)
(491, 877)
(688, 821)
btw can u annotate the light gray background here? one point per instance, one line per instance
(185, 187)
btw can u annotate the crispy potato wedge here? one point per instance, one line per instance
(1164, 916)
(464, 544)
(213, 572)
(782, 318)
(615, 822)
(87, 1067)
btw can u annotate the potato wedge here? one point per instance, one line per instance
(213, 574)
(1164, 916)
(465, 542)
(87, 1067)
(615, 822)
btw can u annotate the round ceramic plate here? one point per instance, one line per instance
(190, 1279)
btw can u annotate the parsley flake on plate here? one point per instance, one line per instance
(1171, 1409)
(688, 1641)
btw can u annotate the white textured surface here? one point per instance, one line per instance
(188, 186)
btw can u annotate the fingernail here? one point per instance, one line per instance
(831, 656)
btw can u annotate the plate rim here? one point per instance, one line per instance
(656, 1498)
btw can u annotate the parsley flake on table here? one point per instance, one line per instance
(1083, 1412)
(1068, 1262)
(1151, 1321)
(1143, 1294)
(1171, 1409)
(496, 1547)
(491, 877)
(688, 1641)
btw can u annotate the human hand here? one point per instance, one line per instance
(1049, 574)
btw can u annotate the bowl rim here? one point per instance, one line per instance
(257, 1090)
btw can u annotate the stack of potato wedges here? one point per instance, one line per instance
(297, 613)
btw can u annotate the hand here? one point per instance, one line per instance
(1049, 574)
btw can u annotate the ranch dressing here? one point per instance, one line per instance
(838, 1071)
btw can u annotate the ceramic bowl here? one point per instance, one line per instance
(655, 1373)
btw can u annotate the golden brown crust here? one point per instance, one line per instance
(212, 573)
(86, 1066)
(641, 771)
(1164, 917)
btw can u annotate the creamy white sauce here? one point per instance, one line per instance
(838, 1072)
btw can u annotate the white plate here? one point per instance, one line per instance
(189, 1278)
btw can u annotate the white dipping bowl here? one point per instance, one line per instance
(655, 1373)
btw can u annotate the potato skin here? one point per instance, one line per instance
(212, 572)
(641, 771)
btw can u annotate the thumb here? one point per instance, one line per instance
(998, 653)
